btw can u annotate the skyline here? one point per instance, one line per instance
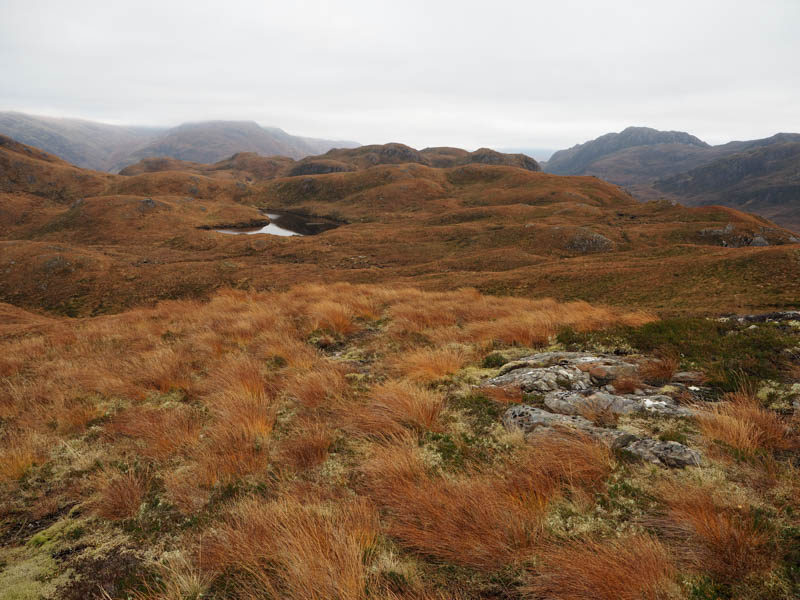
(523, 75)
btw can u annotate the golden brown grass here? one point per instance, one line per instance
(324, 387)
(179, 579)
(482, 520)
(430, 364)
(307, 447)
(119, 495)
(742, 423)
(333, 316)
(727, 542)
(18, 453)
(182, 488)
(467, 520)
(628, 568)
(162, 432)
(407, 403)
(569, 460)
(230, 412)
(598, 413)
(294, 551)
(660, 370)
(228, 455)
(627, 385)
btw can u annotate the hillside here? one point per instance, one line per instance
(654, 164)
(83, 143)
(81, 242)
(485, 382)
(764, 180)
(385, 443)
(112, 147)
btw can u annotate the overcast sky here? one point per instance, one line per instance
(489, 73)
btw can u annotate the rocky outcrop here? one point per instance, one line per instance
(731, 237)
(587, 241)
(785, 315)
(536, 422)
(571, 384)
(574, 381)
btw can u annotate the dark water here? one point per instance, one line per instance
(286, 224)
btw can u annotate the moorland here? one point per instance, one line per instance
(486, 381)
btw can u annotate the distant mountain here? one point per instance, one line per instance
(579, 158)
(764, 179)
(83, 143)
(753, 175)
(211, 141)
(112, 147)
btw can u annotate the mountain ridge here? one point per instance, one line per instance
(104, 147)
(652, 171)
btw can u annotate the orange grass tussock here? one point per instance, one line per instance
(728, 542)
(630, 568)
(430, 364)
(119, 495)
(291, 550)
(742, 423)
(297, 438)
(483, 520)
(407, 403)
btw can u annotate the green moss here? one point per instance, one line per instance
(674, 436)
(481, 411)
(31, 572)
(29, 576)
(729, 352)
(494, 360)
(706, 588)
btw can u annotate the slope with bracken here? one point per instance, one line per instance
(83, 242)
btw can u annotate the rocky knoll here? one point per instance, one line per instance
(575, 160)
(569, 385)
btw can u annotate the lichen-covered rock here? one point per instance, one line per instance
(548, 359)
(527, 418)
(535, 422)
(587, 241)
(574, 381)
(544, 379)
(668, 454)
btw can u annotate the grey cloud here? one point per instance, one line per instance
(546, 74)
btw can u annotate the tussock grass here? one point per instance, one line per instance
(481, 520)
(179, 579)
(430, 364)
(407, 403)
(727, 542)
(307, 447)
(291, 550)
(162, 432)
(119, 495)
(18, 453)
(629, 568)
(661, 370)
(740, 422)
(324, 387)
(296, 470)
